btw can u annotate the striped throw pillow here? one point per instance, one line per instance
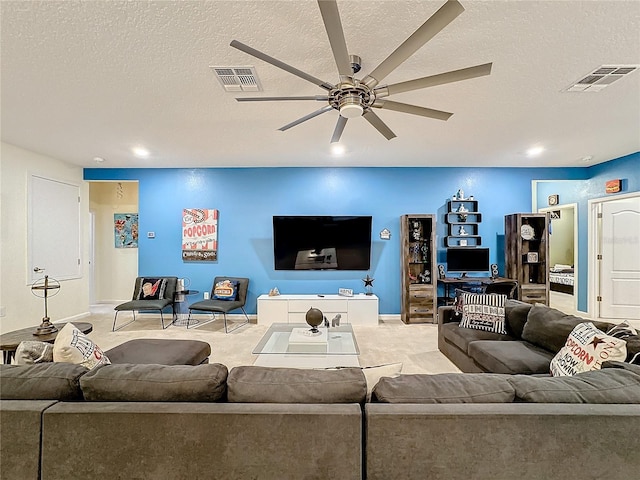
(484, 312)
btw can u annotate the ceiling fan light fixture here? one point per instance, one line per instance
(351, 111)
(351, 105)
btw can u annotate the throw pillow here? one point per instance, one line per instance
(152, 289)
(516, 313)
(484, 312)
(373, 375)
(549, 328)
(253, 384)
(30, 352)
(445, 388)
(601, 386)
(43, 381)
(457, 305)
(155, 383)
(622, 330)
(630, 335)
(73, 346)
(585, 350)
(226, 290)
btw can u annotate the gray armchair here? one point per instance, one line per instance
(149, 293)
(213, 305)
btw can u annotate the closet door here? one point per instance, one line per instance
(620, 264)
(54, 229)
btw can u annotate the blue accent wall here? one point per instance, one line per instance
(247, 199)
(626, 168)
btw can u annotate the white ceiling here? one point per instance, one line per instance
(96, 78)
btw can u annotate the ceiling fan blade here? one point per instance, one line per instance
(335, 32)
(433, 80)
(306, 117)
(412, 109)
(379, 125)
(319, 98)
(439, 20)
(279, 64)
(337, 133)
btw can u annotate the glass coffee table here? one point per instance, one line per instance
(290, 345)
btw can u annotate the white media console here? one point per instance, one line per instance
(360, 309)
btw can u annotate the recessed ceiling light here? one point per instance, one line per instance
(141, 152)
(98, 159)
(338, 149)
(588, 158)
(535, 151)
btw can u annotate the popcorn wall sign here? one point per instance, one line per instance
(613, 186)
(199, 235)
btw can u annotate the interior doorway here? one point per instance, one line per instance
(114, 262)
(614, 250)
(563, 256)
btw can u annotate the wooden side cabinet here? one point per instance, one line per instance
(527, 255)
(418, 263)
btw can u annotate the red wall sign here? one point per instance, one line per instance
(613, 186)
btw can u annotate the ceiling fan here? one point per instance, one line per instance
(354, 97)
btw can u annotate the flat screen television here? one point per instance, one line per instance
(322, 242)
(467, 259)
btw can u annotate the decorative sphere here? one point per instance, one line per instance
(314, 317)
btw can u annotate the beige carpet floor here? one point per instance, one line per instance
(415, 346)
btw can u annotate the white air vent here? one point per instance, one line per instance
(601, 78)
(238, 79)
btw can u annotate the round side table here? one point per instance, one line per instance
(182, 307)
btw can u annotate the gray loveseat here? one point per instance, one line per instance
(535, 333)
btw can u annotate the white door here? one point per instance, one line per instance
(92, 258)
(620, 263)
(54, 229)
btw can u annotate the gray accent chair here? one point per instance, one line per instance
(223, 306)
(136, 305)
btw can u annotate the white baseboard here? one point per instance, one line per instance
(72, 318)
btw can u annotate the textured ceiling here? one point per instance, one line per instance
(86, 79)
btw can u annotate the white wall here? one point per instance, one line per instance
(115, 269)
(22, 308)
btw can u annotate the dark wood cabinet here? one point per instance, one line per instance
(419, 275)
(527, 255)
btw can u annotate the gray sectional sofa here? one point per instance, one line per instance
(173, 422)
(60, 421)
(535, 333)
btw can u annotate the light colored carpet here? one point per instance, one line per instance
(415, 346)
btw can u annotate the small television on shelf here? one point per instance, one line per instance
(463, 260)
(322, 242)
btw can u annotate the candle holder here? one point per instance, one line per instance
(44, 286)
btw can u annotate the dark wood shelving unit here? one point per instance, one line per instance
(419, 275)
(527, 253)
(469, 219)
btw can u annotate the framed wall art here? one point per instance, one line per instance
(125, 228)
(199, 235)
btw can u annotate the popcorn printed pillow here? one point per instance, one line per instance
(226, 290)
(73, 346)
(585, 350)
